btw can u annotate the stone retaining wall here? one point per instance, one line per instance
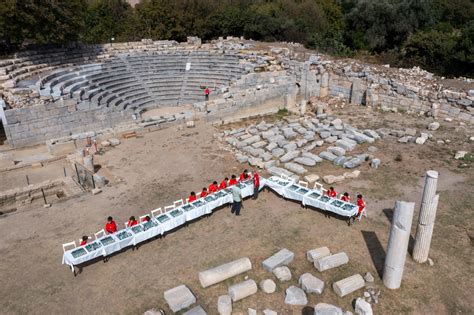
(34, 125)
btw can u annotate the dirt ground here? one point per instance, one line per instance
(160, 167)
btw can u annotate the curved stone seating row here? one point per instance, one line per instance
(31, 63)
(145, 79)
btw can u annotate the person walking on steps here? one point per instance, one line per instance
(236, 200)
(207, 91)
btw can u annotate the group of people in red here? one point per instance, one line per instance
(345, 197)
(225, 183)
(111, 226)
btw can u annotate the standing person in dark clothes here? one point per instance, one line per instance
(237, 200)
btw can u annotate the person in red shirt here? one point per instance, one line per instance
(212, 187)
(204, 192)
(244, 175)
(84, 240)
(331, 192)
(111, 226)
(207, 91)
(146, 219)
(132, 221)
(233, 180)
(223, 184)
(192, 197)
(361, 205)
(256, 184)
(346, 197)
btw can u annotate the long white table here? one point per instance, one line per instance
(178, 216)
(158, 225)
(309, 197)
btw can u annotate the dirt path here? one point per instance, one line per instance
(162, 166)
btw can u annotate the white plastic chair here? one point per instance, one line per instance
(156, 212)
(318, 186)
(126, 224)
(178, 203)
(168, 208)
(363, 213)
(99, 234)
(143, 217)
(302, 183)
(70, 244)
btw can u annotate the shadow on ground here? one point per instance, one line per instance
(376, 250)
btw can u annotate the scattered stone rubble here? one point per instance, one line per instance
(289, 146)
(181, 298)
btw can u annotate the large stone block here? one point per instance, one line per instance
(283, 257)
(271, 146)
(348, 285)
(329, 262)
(295, 168)
(337, 151)
(327, 156)
(289, 133)
(224, 271)
(327, 309)
(346, 144)
(289, 156)
(363, 307)
(282, 273)
(179, 298)
(197, 310)
(289, 147)
(295, 296)
(279, 171)
(252, 139)
(242, 290)
(278, 152)
(268, 286)
(331, 179)
(305, 161)
(314, 254)
(311, 284)
(224, 305)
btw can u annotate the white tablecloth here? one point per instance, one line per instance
(148, 234)
(160, 229)
(282, 187)
(279, 185)
(296, 192)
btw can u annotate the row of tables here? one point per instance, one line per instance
(309, 197)
(131, 236)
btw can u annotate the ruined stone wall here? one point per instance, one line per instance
(392, 94)
(405, 89)
(34, 125)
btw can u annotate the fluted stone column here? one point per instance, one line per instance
(348, 285)
(243, 289)
(224, 272)
(398, 244)
(333, 261)
(424, 230)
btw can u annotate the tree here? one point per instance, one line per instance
(41, 21)
(106, 19)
